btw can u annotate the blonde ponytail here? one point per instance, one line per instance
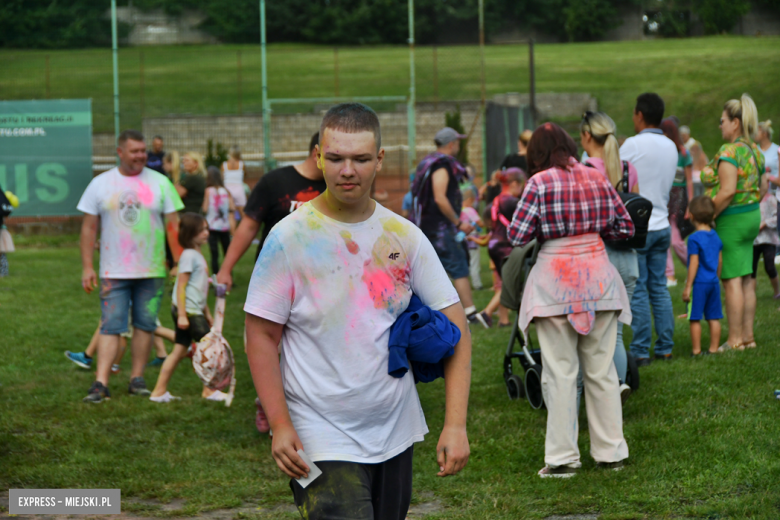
(612, 160)
(766, 126)
(745, 110)
(602, 129)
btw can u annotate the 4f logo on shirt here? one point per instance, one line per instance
(394, 256)
(129, 208)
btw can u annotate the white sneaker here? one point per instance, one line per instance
(217, 396)
(165, 398)
(625, 393)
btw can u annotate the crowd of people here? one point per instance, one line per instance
(335, 270)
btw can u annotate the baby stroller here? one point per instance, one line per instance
(520, 262)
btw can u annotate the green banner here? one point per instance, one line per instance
(46, 154)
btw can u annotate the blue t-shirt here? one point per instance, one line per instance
(708, 246)
(406, 205)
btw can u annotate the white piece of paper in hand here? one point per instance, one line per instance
(314, 471)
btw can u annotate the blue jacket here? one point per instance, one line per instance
(423, 337)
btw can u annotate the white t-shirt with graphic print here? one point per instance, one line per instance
(132, 227)
(338, 288)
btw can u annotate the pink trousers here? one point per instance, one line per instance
(680, 248)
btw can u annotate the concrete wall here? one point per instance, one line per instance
(157, 28)
(759, 22)
(631, 28)
(291, 132)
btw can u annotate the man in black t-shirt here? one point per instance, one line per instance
(276, 195)
(154, 157)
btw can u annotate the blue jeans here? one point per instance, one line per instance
(116, 295)
(651, 290)
(626, 264)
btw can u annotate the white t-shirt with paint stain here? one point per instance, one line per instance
(132, 227)
(338, 288)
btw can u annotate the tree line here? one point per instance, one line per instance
(83, 23)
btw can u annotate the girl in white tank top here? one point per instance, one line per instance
(234, 178)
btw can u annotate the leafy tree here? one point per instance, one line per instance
(52, 24)
(720, 15)
(590, 19)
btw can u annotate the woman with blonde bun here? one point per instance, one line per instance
(735, 182)
(192, 186)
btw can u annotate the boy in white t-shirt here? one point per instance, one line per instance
(329, 283)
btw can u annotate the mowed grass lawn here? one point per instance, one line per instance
(702, 434)
(695, 76)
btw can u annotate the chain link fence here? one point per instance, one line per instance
(193, 94)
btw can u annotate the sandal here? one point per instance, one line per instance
(726, 347)
(749, 344)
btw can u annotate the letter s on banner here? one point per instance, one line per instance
(49, 175)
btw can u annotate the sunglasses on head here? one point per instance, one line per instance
(586, 116)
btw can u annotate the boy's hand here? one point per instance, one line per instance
(452, 452)
(686, 295)
(284, 448)
(183, 322)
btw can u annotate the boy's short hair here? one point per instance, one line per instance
(352, 118)
(190, 226)
(702, 209)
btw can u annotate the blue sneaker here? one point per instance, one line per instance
(156, 362)
(79, 358)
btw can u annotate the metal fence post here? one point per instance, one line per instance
(336, 70)
(141, 84)
(268, 160)
(48, 80)
(238, 84)
(435, 79)
(532, 70)
(410, 115)
(116, 69)
(483, 93)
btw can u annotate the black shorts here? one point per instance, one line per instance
(198, 328)
(358, 491)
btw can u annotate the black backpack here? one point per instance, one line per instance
(639, 209)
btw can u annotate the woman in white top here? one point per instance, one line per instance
(218, 207)
(233, 175)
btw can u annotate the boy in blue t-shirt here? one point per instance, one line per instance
(702, 288)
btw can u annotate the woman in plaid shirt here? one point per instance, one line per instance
(574, 296)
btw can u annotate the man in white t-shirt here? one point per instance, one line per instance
(655, 158)
(128, 203)
(329, 283)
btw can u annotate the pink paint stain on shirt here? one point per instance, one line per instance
(145, 194)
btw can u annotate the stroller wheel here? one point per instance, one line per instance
(632, 373)
(514, 387)
(533, 386)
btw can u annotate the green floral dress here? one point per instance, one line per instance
(737, 225)
(749, 160)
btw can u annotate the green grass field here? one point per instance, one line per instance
(702, 434)
(695, 76)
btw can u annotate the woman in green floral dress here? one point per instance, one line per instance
(735, 182)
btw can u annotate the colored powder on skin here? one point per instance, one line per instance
(352, 246)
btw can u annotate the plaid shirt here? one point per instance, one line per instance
(560, 203)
